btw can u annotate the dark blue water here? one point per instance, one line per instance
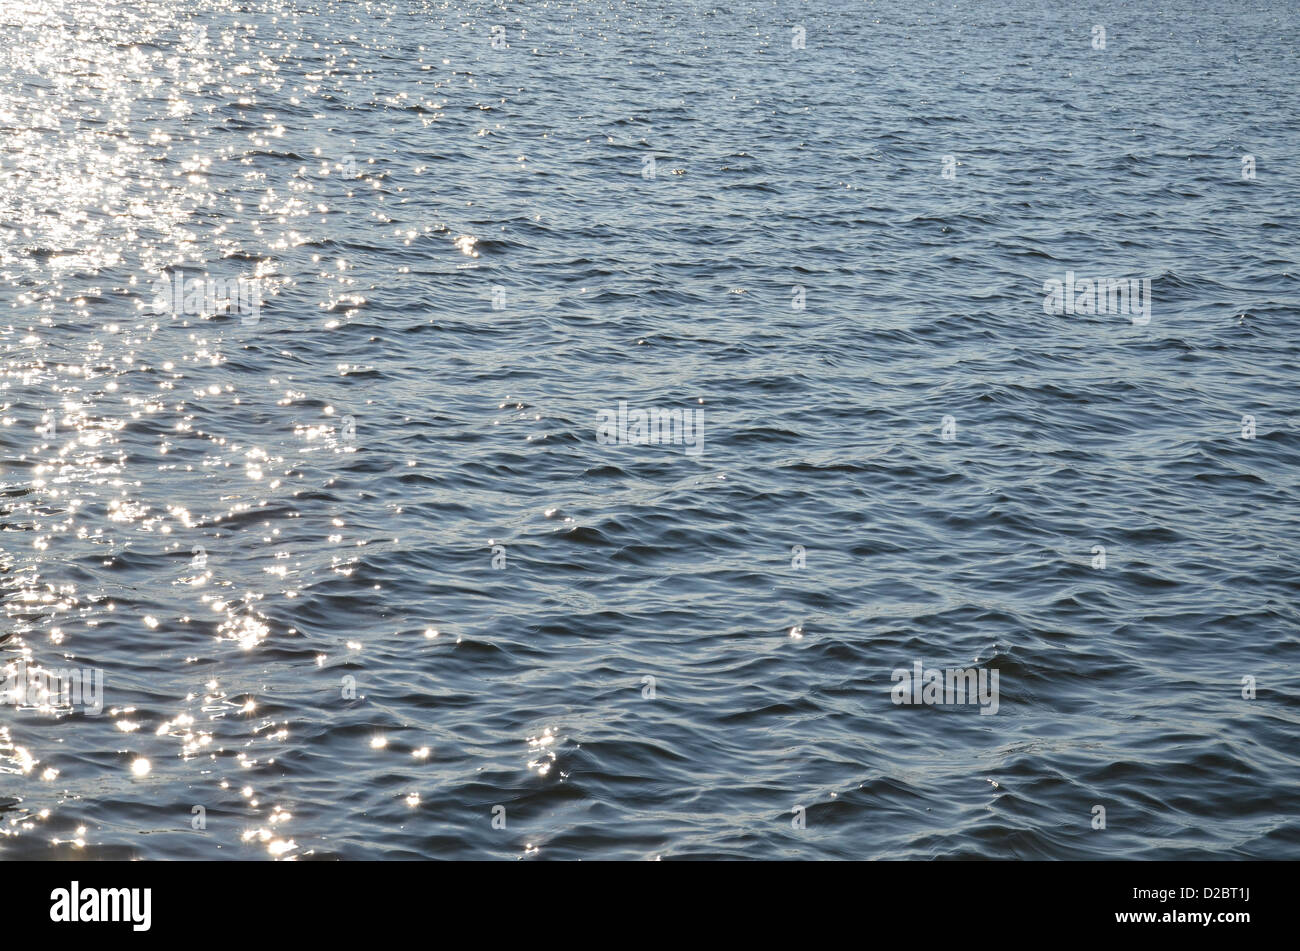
(273, 534)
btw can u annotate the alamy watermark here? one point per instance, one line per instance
(652, 427)
(202, 295)
(945, 686)
(37, 687)
(76, 904)
(1124, 296)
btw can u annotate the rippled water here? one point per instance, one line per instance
(360, 574)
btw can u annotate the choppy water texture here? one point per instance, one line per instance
(380, 168)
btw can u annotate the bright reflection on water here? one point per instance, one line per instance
(158, 503)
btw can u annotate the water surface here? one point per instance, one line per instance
(275, 538)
